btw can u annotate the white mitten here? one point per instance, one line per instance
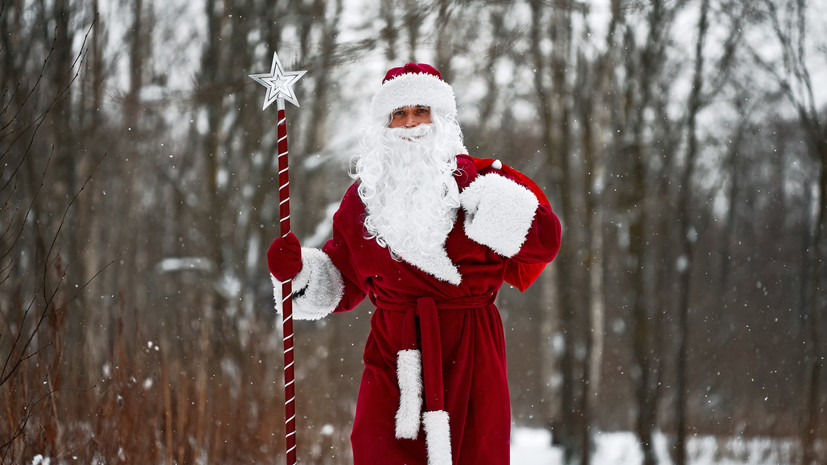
(498, 213)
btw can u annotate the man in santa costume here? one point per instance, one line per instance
(429, 234)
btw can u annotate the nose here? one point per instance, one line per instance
(411, 121)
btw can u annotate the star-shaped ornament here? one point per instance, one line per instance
(279, 83)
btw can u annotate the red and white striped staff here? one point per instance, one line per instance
(279, 84)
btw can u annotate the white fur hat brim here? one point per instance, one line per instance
(414, 89)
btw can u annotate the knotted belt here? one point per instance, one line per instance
(419, 364)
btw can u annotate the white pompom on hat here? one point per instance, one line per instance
(411, 85)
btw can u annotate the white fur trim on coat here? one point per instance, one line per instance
(438, 265)
(498, 213)
(409, 375)
(437, 437)
(317, 289)
(412, 89)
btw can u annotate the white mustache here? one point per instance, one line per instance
(411, 134)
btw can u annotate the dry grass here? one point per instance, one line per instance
(162, 402)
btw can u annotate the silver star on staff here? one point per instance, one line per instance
(279, 83)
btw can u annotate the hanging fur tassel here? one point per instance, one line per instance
(437, 437)
(409, 375)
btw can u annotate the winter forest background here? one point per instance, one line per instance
(682, 142)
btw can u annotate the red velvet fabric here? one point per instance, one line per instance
(411, 68)
(471, 340)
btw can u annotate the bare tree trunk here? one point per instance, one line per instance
(412, 20)
(646, 353)
(131, 129)
(789, 22)
(66, 165)
(555, 109)
(136, 66)
(593, 148)
(646, 356)
(390, 34)
(596, 119)
(734, 194)
(215, 190)
(688, 237)
(443, 46)
(818, 308)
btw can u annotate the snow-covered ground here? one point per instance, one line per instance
(533, 447)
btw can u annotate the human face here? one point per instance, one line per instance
(411, 116)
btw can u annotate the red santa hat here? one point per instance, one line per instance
(411, 85)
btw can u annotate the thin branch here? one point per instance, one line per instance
(48, 299)
(31, 204)
(727, 59)
(63, 220)
(31, 91)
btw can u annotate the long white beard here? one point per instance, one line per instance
(411, 197)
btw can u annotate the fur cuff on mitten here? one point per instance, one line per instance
(498, 213)
(317, 289)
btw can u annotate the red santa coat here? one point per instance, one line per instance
(457, 327)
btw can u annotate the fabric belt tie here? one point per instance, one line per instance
(419, 365)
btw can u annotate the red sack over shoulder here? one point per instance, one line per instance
(520, 275)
